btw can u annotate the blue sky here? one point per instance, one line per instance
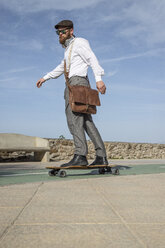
(128, 38)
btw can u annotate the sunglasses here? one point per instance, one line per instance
(61, 31)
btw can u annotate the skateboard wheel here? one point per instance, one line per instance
(116, 172)
(101, 171)
(109, 170)
(52, 173)
(62, 173)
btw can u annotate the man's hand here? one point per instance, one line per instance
(101, 87)
(40, 82)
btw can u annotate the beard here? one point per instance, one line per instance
(63, 39)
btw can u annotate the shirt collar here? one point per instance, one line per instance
(68, 41)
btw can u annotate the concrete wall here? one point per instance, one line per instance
(62, 149)
(19, 140)
(15, 142)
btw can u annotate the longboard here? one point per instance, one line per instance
(102, 169)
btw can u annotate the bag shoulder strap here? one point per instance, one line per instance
(66, 72)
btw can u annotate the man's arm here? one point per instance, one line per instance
(58, 71)
(89, 57)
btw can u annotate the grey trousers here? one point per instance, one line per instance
(79, 123)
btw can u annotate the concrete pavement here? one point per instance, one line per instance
(117, 212)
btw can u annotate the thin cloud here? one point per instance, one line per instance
(17, 70)
(42, 5)
(16, 83)
(137, 21)
(8, 80)
(111, 73)
(148, 90)
(25, 45)
(154, 52)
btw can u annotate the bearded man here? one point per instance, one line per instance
(80, 59)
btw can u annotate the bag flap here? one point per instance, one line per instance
(93, 97)
(78, 94)
(85, 95)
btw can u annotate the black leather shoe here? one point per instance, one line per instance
(100, 161)
(77, 160)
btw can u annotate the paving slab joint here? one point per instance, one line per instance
(5, 232)
(100, 191)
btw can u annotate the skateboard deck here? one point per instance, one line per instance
(102, 169)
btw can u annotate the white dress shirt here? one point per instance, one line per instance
(81, 58)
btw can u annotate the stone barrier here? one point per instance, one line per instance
(63, 149)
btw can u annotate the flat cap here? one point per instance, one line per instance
(64, 24)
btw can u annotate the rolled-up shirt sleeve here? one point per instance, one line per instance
(90, 59)
(58, 71)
